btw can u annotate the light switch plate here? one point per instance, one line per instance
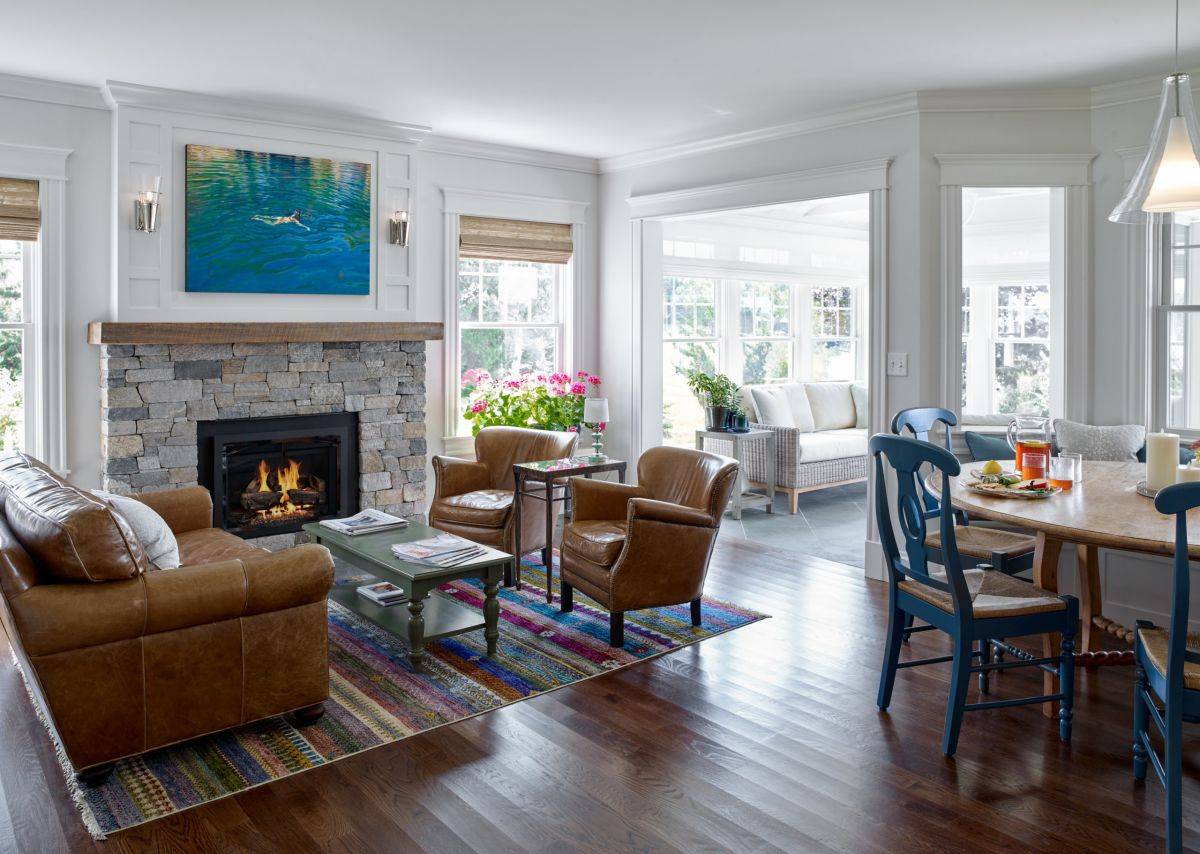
(897, 364)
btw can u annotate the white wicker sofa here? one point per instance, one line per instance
(821, 434)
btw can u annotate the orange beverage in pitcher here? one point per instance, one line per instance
(1033, 457)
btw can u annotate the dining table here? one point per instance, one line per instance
(1102, 510)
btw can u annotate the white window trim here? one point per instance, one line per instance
(46, 409)
(461, 202)
(1069, 171)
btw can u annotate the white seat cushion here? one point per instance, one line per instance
(832, 405)
(831, 445)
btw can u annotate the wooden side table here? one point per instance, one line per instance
(546, 472)
(743, 497)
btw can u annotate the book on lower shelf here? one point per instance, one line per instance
(382, 593)
(441, 550)
(369, 521)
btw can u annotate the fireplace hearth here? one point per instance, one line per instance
(271, 475)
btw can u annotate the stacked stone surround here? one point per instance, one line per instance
(153, 396)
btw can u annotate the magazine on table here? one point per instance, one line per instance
(382, 593)
(369, 521)
(441, 550)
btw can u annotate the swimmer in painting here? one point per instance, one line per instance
(280, 220)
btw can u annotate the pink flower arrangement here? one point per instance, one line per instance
(551, 401)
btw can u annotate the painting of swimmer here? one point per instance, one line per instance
(276, 223)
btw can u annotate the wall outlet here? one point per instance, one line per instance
(897, 364)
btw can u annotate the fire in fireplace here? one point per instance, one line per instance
(271, 475)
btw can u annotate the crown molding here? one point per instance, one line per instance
(51, 92)
(839, 180)
(118, 94)
(1002, 100)
(34, 161)
(509, 154)
(1131, 91)
(870, 111)
(1015, 170)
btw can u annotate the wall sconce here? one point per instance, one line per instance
(145, 208)
(398, 229)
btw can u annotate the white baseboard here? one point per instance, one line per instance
(874, 564)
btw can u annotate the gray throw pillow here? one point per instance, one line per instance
(1118, 443)
(152, 531)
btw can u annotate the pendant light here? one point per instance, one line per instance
(1169, 178)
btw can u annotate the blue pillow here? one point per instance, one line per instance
(1186, 455)
(984, 447)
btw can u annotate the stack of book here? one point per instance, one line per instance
(369, 521)
(443, 550)
(382, 593)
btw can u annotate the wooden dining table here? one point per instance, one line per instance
(1104, 510)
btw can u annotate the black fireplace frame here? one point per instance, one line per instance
(212, 437)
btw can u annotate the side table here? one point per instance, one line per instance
(742, 497)
(546, 472)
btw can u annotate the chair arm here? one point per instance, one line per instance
(601, 499)
(454, 476)
(54, 618)
(188, 509)
(649, 509)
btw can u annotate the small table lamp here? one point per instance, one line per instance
(595, 418)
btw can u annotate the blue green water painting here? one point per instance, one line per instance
(277, 223)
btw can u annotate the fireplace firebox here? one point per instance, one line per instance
(271, 475)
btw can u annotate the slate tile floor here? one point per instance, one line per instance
(831, 523)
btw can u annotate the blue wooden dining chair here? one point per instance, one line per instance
(969, 605)
(1169, 671)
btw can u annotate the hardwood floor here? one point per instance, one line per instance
(766, 738)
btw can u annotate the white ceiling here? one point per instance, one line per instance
(591, 78)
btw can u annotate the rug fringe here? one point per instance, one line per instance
(76, 791)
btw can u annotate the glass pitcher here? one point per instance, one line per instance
(1029, 437)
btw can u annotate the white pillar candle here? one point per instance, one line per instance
(1188, 474)
(1162, 459)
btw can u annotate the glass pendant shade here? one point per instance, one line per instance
(1169, 178)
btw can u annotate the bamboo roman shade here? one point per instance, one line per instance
(514, 240)
(19, 215)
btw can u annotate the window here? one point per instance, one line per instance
(691, 341)
(834, 313)
(16, 280)
(1178, 324)
(510, 318)
(689, 249)
(1011, 298)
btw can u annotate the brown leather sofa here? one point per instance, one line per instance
(646, 546)
(475, 499)
(124, 658)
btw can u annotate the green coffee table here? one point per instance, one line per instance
(429, 615)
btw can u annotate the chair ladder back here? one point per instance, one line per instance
(1179, 499)
(922, 422)
(907, 457)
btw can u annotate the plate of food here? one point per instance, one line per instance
(1008, 485)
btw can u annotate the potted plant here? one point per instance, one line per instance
(739, 422)
(717, 393)
(552, 401)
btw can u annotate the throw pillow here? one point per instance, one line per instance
(984, 447)
(152, 531)
(1099, 443)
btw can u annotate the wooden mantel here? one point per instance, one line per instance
(109, 332)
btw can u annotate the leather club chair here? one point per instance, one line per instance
(475, 499)
(123, 658)
(646, 546)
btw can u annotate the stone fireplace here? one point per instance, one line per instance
(167, 386)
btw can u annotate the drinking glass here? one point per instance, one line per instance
(1063, 471)
(1077, 459)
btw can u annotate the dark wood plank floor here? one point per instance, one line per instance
(764, 739)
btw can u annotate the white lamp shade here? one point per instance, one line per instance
(1169, 177)
(595, 410)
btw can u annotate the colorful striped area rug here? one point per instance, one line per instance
(375, 698)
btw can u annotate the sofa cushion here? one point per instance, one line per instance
(72, 535)
(832, 405)
(486, 508)
(597, 540)
(210, 545)
(858, 391)
(831, 445)
(984, 446)
(772, 406)
(152, 530)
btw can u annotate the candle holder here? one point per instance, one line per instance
(595, 418)
(145, 211)
(398, 229)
